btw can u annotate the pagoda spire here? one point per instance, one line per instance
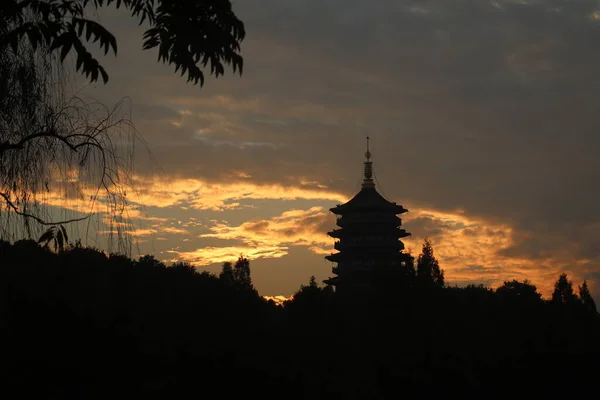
(368, 175)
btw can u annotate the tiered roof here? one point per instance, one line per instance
(368, 199)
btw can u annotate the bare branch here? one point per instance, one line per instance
(45, 134)
(40, 221)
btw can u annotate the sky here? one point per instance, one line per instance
(484, 120)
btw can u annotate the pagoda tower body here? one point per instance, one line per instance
(368, 238)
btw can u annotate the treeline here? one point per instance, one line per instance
(427, 275)
(81, 324)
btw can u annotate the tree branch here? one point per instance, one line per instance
(38, 219)
(21, 143)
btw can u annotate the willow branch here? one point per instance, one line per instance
(38, 219)
(46, 134)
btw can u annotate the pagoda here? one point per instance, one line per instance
(368, 241)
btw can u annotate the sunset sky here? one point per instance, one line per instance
(484, 118)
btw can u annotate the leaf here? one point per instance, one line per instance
(97, 32)
(80, 28)
(64, 232)
(79, 62)
(65, 50)
(47, 236)
(59, 241)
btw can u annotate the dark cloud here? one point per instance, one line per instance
(426, 227)
(256, 226)
(154, 112)
(480, 270)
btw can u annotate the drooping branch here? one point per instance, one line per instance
(59, 153)
(40, 221)
(45, 134)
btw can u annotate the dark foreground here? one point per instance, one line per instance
(81, 325)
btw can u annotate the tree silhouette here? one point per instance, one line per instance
(226, 274)
(563, 291)
(586, 297)
(523, 292)
(49, 140)
(407, 264)
(310, 300)
(312, 287)
(241, 273)
(149, 261)
(187, 34)
(428, 268)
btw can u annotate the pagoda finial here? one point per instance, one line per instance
(368, 181)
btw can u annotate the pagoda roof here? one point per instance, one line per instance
(368, 199)
(332, 281)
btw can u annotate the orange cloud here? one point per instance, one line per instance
(279, 300)
(202, 195)
(173, 230)
(268, 238)
(210, 255)
(294, 227)
(470, 250)
(150, 231)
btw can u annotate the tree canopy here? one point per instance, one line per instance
(563, 291)
(521, 292)
(586, 298)
(190, 35)
(45, 135)
(428, 267)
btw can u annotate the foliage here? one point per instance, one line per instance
(226, 274)
(61, 157)
(563, 291)
(428, 268)
(149, 261)
(586, 297)
(310, 300)
(83, 324)
(241, 273)
(408, 265)
(310, 289)
(56, 234)
(56, 150)
(187, 34)
(522, 292)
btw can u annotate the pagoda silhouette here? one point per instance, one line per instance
(368, 241)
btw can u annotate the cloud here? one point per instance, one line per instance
(150, 231)
(298, 227)
(173, 230)
(279, 300)
(211, 255)
(473, 250)
(203, 195)
(485, 107)
(269, 238)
